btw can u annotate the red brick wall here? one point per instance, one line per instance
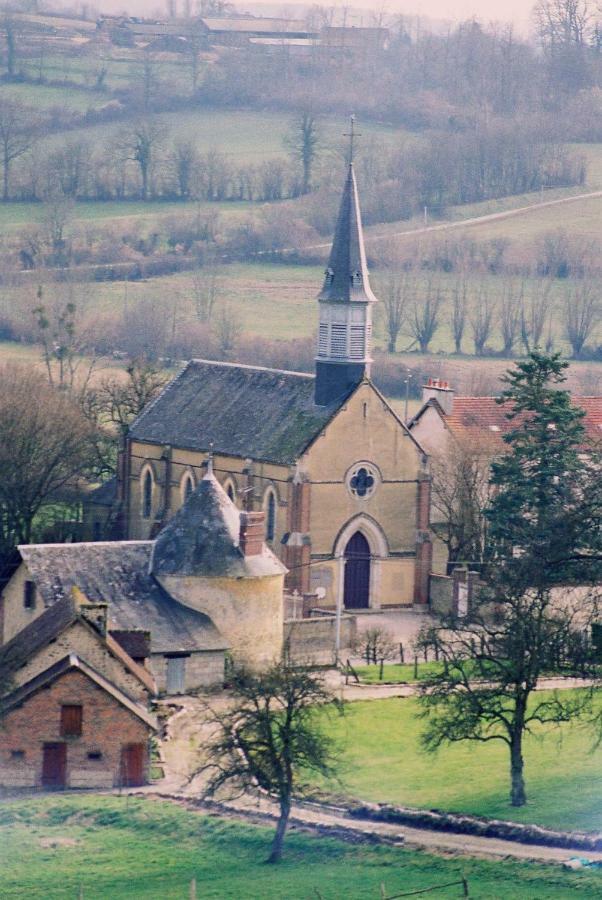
(424, 547)
(106, 727)
(296, 558)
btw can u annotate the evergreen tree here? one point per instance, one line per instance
(528, 621)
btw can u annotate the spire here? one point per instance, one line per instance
(346, 277)
(345, 330)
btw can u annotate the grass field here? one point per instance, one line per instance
(101, 847)
(44, 97)
(382, 761)
(395, 673)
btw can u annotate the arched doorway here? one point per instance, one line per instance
(357, 572)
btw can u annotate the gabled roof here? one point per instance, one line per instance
(67, 664)
(484, 415)
(117, 573)
(243, 411)
(49, 626)
(202, 539)
(347, 277)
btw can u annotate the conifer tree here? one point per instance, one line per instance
(528, 619)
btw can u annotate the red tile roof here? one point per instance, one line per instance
(484, 414)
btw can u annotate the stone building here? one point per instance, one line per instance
(342, 482)
(207, 584)
(70, 727)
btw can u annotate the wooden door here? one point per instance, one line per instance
(176, 674)
(54, 766)
(357, 573)
(133, 757)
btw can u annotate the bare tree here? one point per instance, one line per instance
(205, 289)
(482, 318)
(460, 494)
(141, 144)
(57, 216)
(511, 305)
(303, 141)
(227, 330)
(185, 161)
(582, 310)
(44, 443)
(64, 344)
(394, 298)
(534, 311)
(375, 644)
(18, 130)
(459, 312)
(424, 319)
(10, 27)
(270, 737)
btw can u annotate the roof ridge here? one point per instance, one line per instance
(229, 365)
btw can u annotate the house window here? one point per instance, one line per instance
(94, 754)
(230, 490)
(270, 516)
(17, 754)
(147, 494)
(71, 720)
(29, 595)
(362, 480)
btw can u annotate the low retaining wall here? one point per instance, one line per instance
(475, 825)
(313, 640)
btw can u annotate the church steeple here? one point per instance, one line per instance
(346, 299)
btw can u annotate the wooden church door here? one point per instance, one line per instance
(357, 572)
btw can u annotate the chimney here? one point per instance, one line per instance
(252, 533)
(94, 613)
(438, 390)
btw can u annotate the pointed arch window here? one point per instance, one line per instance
(147, 494)
(230, 489)
(270, 515)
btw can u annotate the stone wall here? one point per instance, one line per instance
(441, 595)
(79, 639)
(203, 669)
(106, 727)
(313, 640)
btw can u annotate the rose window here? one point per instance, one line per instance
(362, 481)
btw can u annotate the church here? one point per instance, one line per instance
(343, 484)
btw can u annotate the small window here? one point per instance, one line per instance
(71, 721)
(94, 754)
(29, 595)
(188, 487)
(147, 494)
(270, 527)
(17, 754)
(230, 490)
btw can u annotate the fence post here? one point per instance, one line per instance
(401, 654)
(193, 889)
(416, 668)
(465, 887)
(382, 666)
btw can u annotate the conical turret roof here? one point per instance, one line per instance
(202, 539)
(347, 277)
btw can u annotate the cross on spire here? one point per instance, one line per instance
(352, 134)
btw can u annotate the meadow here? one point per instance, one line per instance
(117, 847)
(382, 761)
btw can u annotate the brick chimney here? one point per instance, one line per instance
(252, 533)
(438, 390)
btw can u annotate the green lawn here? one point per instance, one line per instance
(112, 848)
(394, 673)
(382, 761)
(45, 97)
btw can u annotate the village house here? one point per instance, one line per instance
(207, 584)
(343, 483)
(70, 727)
(446, 425)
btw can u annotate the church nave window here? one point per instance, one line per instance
(147, 494)
(270, 515)
(187, 487)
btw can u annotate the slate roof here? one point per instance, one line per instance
(117, 573)
(68, 663)
(347, 278)
(202, 539)
(244, 411)
(52, 623)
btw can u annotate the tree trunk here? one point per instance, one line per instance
(276, 851)
(5, 178)
(518, 795)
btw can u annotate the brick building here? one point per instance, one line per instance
(70, 727)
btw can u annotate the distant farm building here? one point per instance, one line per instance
(238, 31)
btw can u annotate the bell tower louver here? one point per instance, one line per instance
(345, 331)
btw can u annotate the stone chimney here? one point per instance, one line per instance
(252, 533)
(95, 614)
(438, 390)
